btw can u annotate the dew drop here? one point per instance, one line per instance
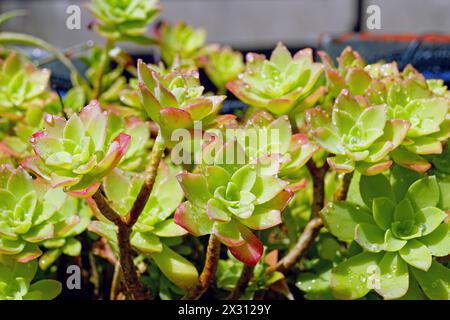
(49, 120)
(422, 228)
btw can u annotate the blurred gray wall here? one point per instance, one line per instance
(417, 16)
(244, 24)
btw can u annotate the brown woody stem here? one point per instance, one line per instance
(318, 177)
(105, 209)
(242, 283)
(296, 253)
(315, 223)
(125, 225)
(209, 270)
(134, 288)
(341, 194)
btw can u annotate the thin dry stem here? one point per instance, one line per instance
(315, 223)
(242, 283)
(125, 225)
(209, 270)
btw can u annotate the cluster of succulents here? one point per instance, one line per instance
(32, 214)
(264, 135)
(399, 228)
(123, 20)
(231, 198)
(407, 97)
(180, 43)
(24, 97)
(74, 153)
(155, 223)
(24, 90)
(413, 99)
(16, 282)
(175, 100)
(335, 178)
(358, 134)
(280, 84)
(223, 65)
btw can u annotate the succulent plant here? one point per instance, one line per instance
(229, 197)
(348, 59)
(438, 87)
(29, 214)
(180, 42)
(407, 95)
(360, 136)
(79, 181)
(24, 91)
(411, 99)
(129, 96)
(400, 228)
(154, 224)
(137, 154)
(73, 153)
(280, 84)
(123, 19)
(263, 135)
(175, 100)
(76, 215)
(223, 65)
(16, 282)
(349, 74)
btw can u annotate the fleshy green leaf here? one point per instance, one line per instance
(438, 241)
(429, 219)
(355, 277)
(176, 268)
(391, 243)
(383, 212)
(146, 242)
(195, 188)
(404, 211)
(46, 289)
(435, 282)
(416, 254)
(341, 219)
(394, 277)
(370, 237)
(424, 192)
(372, 187)
(193, 219)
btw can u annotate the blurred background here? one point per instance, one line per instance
(409, 31)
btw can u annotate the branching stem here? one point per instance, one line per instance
(125, 224)
(315, 223)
